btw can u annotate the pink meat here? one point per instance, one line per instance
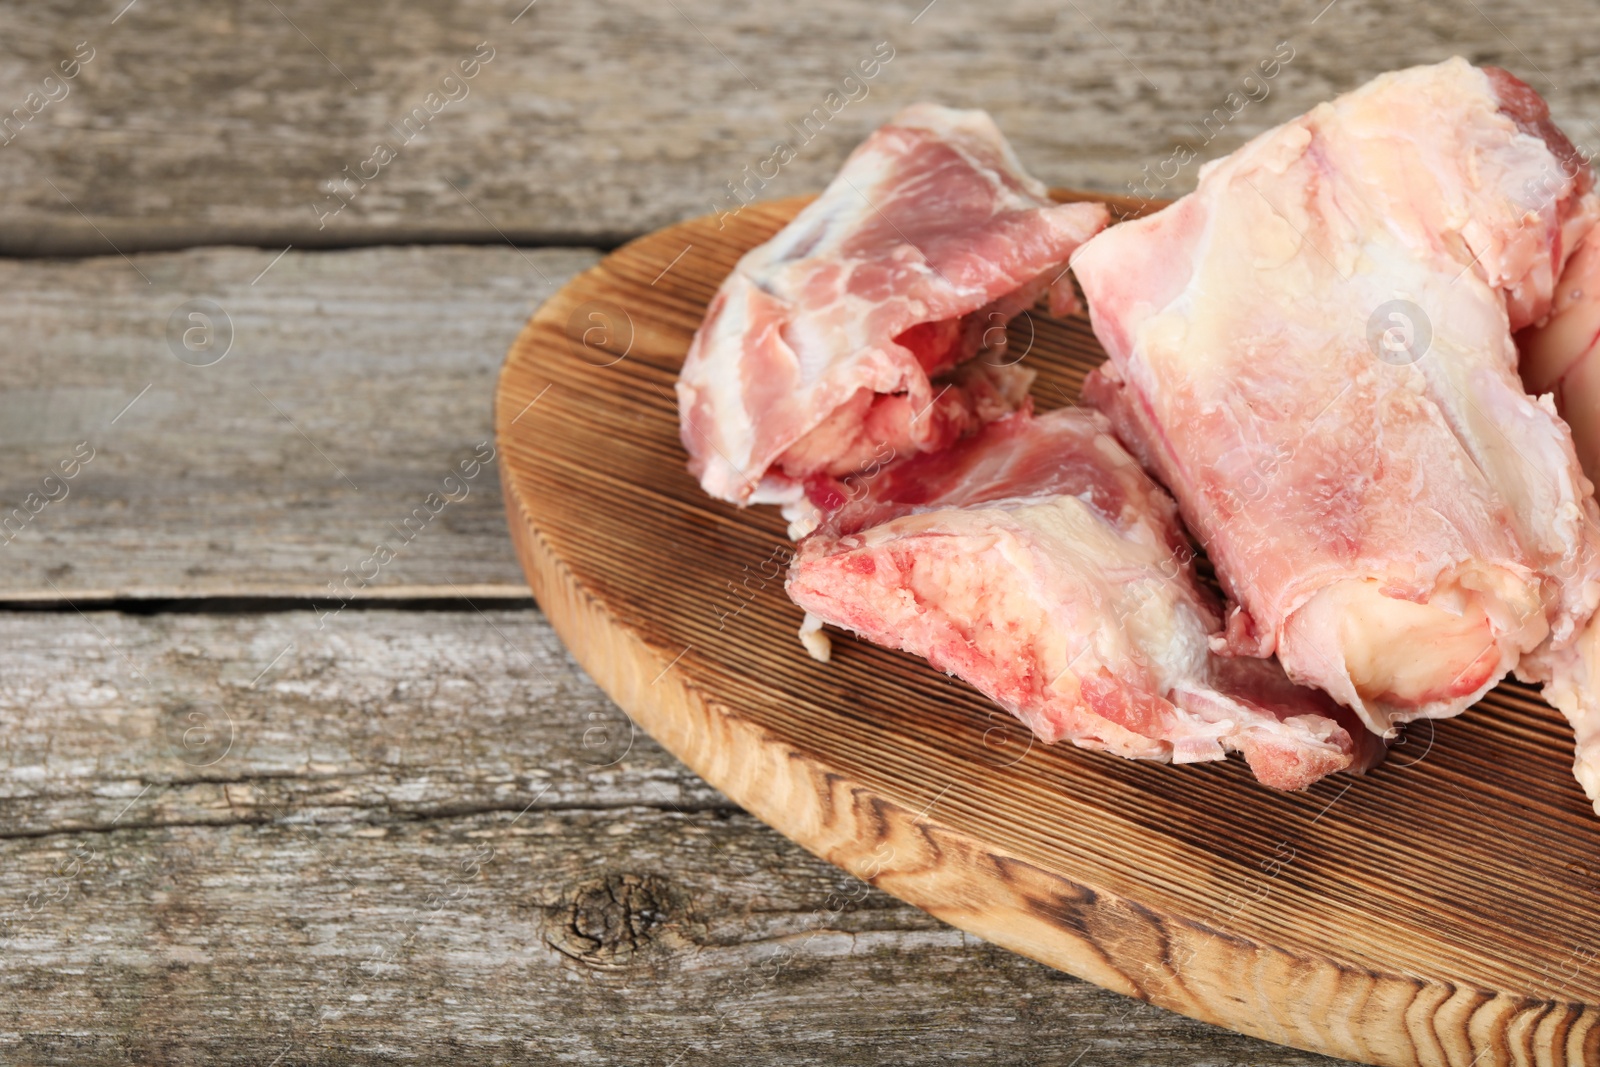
(1561, 358)
(1559, 354)
(842, 338)
(1038, 562)
(1314, 352)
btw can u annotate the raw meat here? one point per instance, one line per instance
(1314, 352)
(1559, 355)
(1038, 562)
(1559, 358)
(844, 335)
(1571, 677)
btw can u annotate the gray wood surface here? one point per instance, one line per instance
(429, 835)
(197, 124)
(231, 834)
(356, 383)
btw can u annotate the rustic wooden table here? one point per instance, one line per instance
(271, 797)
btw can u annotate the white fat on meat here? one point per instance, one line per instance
(1037, 561)
(1314, 352)
(849, 337)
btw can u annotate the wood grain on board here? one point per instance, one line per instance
(198, 123)
(428, 835)
(1372, 918)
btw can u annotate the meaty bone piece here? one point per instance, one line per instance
(1314, 352)
(1039, 563)
(843, 338)
(1561, 359)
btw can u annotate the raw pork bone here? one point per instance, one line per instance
(835, 342)
(1399, 523)
(1039, 563)
(1559, 354)
(1559, 358)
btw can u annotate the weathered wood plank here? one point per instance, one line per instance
(214, 718)
(193, 124)
(634, 936)
(356, 384)
(361, 877)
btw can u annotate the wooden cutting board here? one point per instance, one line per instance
(1444, 909)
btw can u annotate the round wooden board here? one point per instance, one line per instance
(1441, 910)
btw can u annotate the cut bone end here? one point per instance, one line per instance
(1399, 660)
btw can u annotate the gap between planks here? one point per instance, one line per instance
(157, 601)
(278, 815)
(69, 247)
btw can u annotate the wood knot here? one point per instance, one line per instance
(606, 921)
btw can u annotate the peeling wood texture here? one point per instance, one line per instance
(199, 123)
(425, 835)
